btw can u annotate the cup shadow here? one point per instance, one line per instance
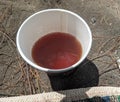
(85, 75)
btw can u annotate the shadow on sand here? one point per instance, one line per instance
(85, 75)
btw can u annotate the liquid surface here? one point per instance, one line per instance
(56, 50)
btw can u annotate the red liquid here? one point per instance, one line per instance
(57, 50)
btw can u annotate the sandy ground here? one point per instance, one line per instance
(99, 69)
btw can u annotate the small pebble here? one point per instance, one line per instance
(101, 52)
(93, 20)
(110, 24)
(115, 52)
(118, 63)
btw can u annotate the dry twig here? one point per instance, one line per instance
(8, 38)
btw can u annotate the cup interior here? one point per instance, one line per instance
(52, 20)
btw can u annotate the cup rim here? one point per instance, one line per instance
(47, 69)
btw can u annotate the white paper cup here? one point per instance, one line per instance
(47, 21)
